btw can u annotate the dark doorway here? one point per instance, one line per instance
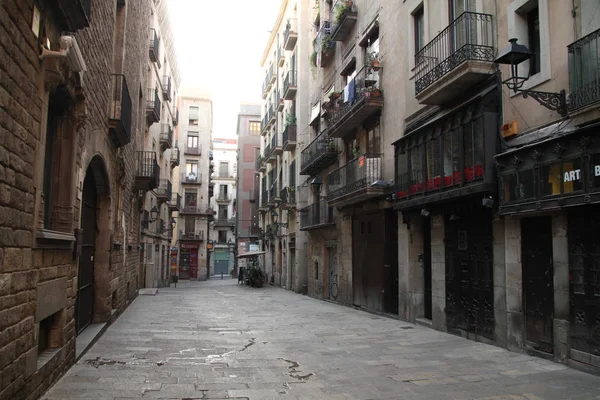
(390, 268)
(426, 262)
(469, 273)
(85, 277)
(368, 234)
(333, 275)
(538, 282)
(584, 273)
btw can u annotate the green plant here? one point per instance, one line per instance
(372, 58)
(290, 119)
(313, 58)
(339, 11)
(334, 95)
(255, 277)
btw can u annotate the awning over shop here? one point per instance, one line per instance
(251, 254)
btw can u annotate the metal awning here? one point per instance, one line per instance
(251, 254)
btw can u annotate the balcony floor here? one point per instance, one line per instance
(344, 27)
(320, 162)
(347, 196)
(289, 145)
(290, 93)
(318, 226)
(355, 117)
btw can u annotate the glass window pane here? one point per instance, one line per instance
(433, 164)
(402, 174)
(478, 152)
(526, 187)
(572, 176)
(468, 146)
(416, 170)
(509, 184)
(551, 178)
(596, 170)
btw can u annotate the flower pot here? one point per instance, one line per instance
(349, 3)
(375, 65)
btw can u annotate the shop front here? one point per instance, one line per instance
(446, 189)
(188, 261)
(552, 189)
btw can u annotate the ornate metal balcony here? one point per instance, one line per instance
(272, 115)
(74, 14)
(324, 46)
(153, 46)
(289, 138)
(166, 136)
(166, 87)
(147, 171)
(153, 106)
(192, 208)
(223, 198)
(175, 156)
(269, 156)
(192, 150)
(175, 202)
(274, 194)
(584, 72)
(316, 216)
(260, 164)
(290, 36)
(351, 183)
(288, 198)
(319, 154)
(280, 56)
(264, 200)
(191, 178)
(345, 15)
(457, 58)
(164, 190)
(191, 235)
(224, 222)
(361, 98)
(175, 115)
(276, 145)
(119, 119)
(290, 86)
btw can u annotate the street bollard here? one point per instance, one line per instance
(221, 275)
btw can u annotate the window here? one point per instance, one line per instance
(402, 173)
(191, 199)
(191, 172)
(518, 186)
(222, 236)
(565, 177)
(254, 128)
(223, 214)
(374, 139)
(416, 170)
(222, 191)
(192, 141)
(419, 28)
(193, 116)
(224, 169)
(190, 225)
(533, 36)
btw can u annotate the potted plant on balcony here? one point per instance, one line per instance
(330, 144)
(355, 152)
(372, 60)
(334, 95)
(340, 9)
(289, 119)
(313, 59)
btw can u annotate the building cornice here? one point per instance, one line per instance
(274, 32)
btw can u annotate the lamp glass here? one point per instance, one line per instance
(154, 213)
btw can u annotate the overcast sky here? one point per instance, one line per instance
(219, 46)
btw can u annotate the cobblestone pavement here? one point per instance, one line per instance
(216, 340)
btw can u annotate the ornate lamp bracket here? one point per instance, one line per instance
(551, 100)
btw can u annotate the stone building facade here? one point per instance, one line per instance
(72, 118)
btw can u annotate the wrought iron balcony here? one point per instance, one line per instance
(317, 215)
(319, 154)
(272, 75)
(192, 208)
(265, 92)
(280, 56)
(290, 36)
(192, 150)
(324, 46)
(164, 190)
(288, 197)
(272, 115)
(175, 115)
(264, 199)
(166, 87)
(223, 197)
(192, 236)
(290, 86)
(351, 183)
(166, 136)
(279, 103)
(344, 18)
(74, 14)
(147, 171)
(362, 98)
(224, 222)
(191, 178)
(584, 71)
(119, 119)
(268, 156)
(264, 125)
(289, 137)
(175, 156)
(175, 202)
(274, 194)
(276, 144)
(260, 164)
(153, 106)
(153, 46)
(458, 57)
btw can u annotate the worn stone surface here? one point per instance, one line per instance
(217, 340)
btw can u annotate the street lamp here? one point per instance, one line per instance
(275, 217)
(513, 55)
(154, 214)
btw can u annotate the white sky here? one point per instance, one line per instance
(219, 45)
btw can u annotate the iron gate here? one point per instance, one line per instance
(469, 274)
(538, 282)
(85, 275)
(333, 275)
(584, 273)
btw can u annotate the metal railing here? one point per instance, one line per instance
(340, 10)
(289, 81)
(316, 215)
(584, 71)
(275, 142)
(259, 162)
(175, 155)
(225, 222)
(358, 174)
(289, 134)
(468, 37)
(153, 45)
(164, 189)
(193, 150)
(224, 197)
(120, 106)
(166, 133)
(273, 192)
(166, 86)
(191, 235)
(323, 39)
(191, 177)
(147, 165)
(175, 201)
(268, 151)
(321, 145)
(290, 30)
(153, 102)
(264, 198)
(366, 84)
(193, 208)
(287, 195)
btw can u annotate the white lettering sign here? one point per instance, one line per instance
(571, 176)
(597, 170)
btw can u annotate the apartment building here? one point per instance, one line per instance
(247, 193)
(192, 183)
(285, 108)
(222, 228)
(72, 118)
(157, 154)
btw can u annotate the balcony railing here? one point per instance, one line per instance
(319, 154)
(175, 156)
(352, 182)
(164, 190)
(166, 87)
(229, 222)
(166, 136)
(197, 209)
(271, 114)
(276, 144)
(147, 170)
(224, 197)
(191, 235)
(264, 198)
(175, 202)
(469, 37)
(290, 36)
(192, 150)
(274, 193)
(288, 197)
(289, 137)
(264, 125)
(175, 115)
(153, 105)
(324, 46)
(584, 71)
(74, 13)
(315, 216)
(289, 85)
(120, 111)
(260, 164)
(279, 103)
(361, 98)
(268, 151)
(344, 18)
(153, 46)
(280, 56)
(191, 178)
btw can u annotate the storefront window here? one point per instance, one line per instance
(452, 157)
(551, 178)
(572, 176)
(478, 152)
(416, 170)
(509, 184)
(596, 170)
(468, 148)
(518, 186)
(569, 174)
(433, 164)
(402, 174)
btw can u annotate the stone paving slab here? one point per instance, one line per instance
(220, 340)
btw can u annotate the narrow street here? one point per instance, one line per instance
(217, 340)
